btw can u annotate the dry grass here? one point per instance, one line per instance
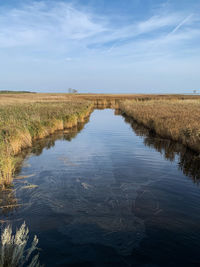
(27, 117)
(25, 120)
(14, 251)
(13, 99)
(178, 120)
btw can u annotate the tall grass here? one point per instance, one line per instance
(178, 120)
(27, 117)
(14, 251)
(21, 124)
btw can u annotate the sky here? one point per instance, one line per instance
(100, 46)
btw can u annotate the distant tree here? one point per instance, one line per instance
(72, 91)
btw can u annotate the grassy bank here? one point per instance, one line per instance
(175, 119)
(27, 117)
(21, 124)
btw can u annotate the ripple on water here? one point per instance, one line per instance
(112, 189)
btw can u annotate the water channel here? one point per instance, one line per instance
(108, 193)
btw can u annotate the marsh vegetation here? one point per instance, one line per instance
(109, 192)
(22, 123)
(28, 117)
(14, 250)
(174, 119)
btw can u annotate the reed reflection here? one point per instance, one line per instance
(8, 200)
(67, 134)
(188, 161)
(49, 142)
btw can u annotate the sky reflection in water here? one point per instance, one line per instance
(102, 195)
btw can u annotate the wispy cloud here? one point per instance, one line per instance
(41, 22)
(62, 32)
(61, 24)
(184, 21)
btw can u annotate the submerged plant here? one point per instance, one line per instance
(14, 251)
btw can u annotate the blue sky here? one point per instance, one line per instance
(113, 46)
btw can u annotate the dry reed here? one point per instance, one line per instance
(21, 124)
(27, 117)
(14, 251)
(178, 120)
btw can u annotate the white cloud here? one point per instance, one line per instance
(38, 23)
(47, 25)
(184, 21)
(44, 36)
(158, 22)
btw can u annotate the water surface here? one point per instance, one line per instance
(109, 194)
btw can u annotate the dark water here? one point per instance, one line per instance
(109, 194)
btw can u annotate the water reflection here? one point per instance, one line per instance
(8, 201)
(188, 161)
(106, 199)
(49, 142)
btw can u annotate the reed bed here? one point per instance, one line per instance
(21, 124)
(14, 251)
(178, 120)
(27, 117)
(13, 99)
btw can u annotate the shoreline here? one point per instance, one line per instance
(168, 126)
(17, 140)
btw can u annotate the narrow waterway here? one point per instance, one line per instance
(109, 194)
